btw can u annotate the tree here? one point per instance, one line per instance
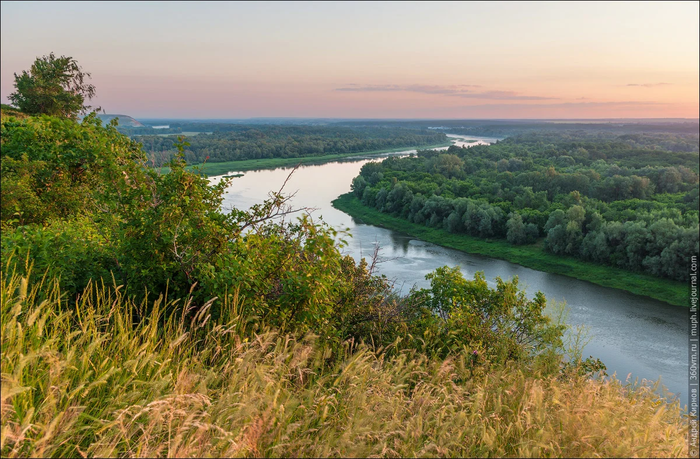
(669, 180)
(501, 323)
(53, 86)
(516, 229)
(448, 165)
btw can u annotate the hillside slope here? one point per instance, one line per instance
(124, 120)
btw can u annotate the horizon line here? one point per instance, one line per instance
(399, 119)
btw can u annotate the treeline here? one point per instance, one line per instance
(241, 142)
(508, 128)
(597, 200)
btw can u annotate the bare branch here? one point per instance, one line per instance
(276, 206)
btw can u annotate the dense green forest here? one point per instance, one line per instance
(140, 319)
(232, 142)
(629, 201)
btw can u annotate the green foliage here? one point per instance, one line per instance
(53, 86)
(167, 227)
(112, 220)
(519, 233)
(532, 256)
(493, 326)
(536, 179)
(234, 142)
(56, 168)
(71, 251)
(9, 110)
(80, 206)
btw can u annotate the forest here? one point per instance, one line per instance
(218, 142)
(628, 201)
(139, 319)
(509, 128)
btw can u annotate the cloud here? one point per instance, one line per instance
(420, 88)
(648, 85)
(624, 103)
(449, 90)
(500, 95)
(630, 103)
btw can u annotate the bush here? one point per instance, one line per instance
(491, 325)
(71, 251)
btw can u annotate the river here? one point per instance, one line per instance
(631, 334)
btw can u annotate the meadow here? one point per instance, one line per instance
(85, 379)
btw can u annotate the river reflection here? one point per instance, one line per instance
(630, 334)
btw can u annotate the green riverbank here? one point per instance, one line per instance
(273, 163)
(531, 256)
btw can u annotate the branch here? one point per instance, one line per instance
(275, 207)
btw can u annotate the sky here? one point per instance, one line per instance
(436, 60)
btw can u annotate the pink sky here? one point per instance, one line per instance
(370, 60)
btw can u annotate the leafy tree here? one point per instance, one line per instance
(53, 86)
(358, 185)
(519, 232)
(516, 229)
(54, 168)
(669, 180)
(448, 165)
(494, 325)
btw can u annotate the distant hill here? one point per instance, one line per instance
(124, 120)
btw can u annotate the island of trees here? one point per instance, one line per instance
(138, 319)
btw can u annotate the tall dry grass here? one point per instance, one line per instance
(84, 380)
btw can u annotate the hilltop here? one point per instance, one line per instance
(124, 120)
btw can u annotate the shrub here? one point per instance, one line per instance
(494, 325)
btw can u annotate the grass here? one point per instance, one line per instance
(274, 163)
(531, 256)
(84, 379)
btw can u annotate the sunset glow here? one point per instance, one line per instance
(370, 60)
